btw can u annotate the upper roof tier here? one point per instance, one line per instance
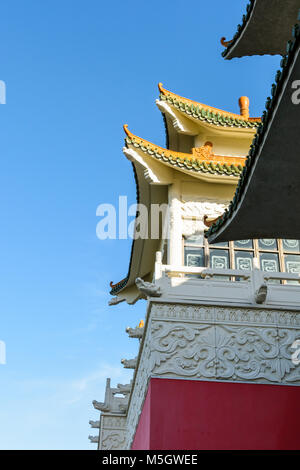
(266, 27)
(209, 114)
(154, 165)
(207, 144)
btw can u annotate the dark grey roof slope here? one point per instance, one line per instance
(265, 29)
(267, 199)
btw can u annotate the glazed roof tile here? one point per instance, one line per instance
(207, 113)
(201, 160)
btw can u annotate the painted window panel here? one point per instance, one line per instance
(267, 244)
(219, 259)
(194, 257)
(246, 244)
(292, 265)
(196, 239)
(243, 260)
(291, 245)
(269, 262)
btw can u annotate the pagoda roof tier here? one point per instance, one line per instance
(266, 201)
(201, 160)
(207, 114)
(154, 167)
(266, 27)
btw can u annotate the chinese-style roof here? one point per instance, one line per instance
(115, 288)
(266, 202)
(265, 29)
(200, 160)
(207, 113)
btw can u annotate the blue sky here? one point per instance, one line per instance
(75, 73)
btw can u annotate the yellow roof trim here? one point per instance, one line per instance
(200, 154)
(206, 107)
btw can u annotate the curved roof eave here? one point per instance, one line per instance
(266, 27)
(207, 114)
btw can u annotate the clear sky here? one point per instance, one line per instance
(75, 72)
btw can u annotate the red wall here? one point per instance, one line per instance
(195, 415)
(142, 435)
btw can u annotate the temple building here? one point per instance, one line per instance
(217, 363)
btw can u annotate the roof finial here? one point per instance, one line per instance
(160, 87)
(209, 222)
(244, 106)
(224, 42)
(125, 127)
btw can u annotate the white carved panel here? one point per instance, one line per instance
(181, 350)
(247, 353)
(193, 212)
(112, 433)
(113, 440)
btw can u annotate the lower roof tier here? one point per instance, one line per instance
(202, 159)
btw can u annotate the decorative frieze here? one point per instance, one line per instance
(193, 212)
(180, 350)
(229, 343)
(112, 433)
(246, 316)
(113, 440)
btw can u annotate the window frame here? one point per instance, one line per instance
(256, 250)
